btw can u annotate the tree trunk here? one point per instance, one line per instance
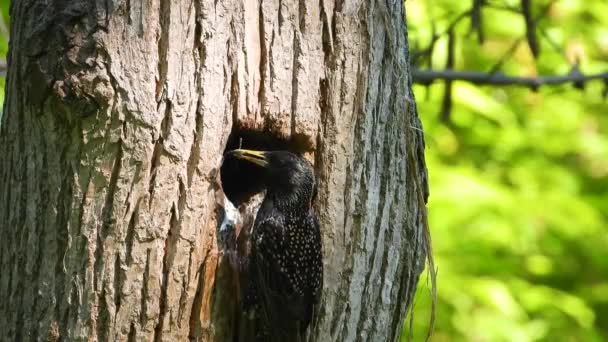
(116, 117)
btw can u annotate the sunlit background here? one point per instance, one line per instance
(518, 178)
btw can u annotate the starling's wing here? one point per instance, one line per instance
(317, 271)
(271, 254)
(282, 309)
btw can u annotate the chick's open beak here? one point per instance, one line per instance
(256, 157)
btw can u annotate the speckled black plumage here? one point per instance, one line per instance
(285, 266)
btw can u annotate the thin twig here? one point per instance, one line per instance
(526, 12)
(496, 67)
(436, 37)
(446, 103)
(551, 42)
(481, 78)
(516, 43)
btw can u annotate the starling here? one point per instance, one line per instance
(285, 265)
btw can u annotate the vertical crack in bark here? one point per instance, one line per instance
(263, 61)
(62, 237)
(141, 15)
(132, 336)
(107, 213)
(197, 303)
(118, 281)
(153, 169)
(129, 12)
(324, 106)
(103, 319)
(158, 330)
(40, 201)
(9, 289)
(44, 235)
(272, 76)
(4, 232)
(234, 95)
(98, 262)
(135, 180)
(294, 82)
(195, 150)
(168, 258)
(280, 16)
(327, 44)
(181, 206)
(163, 48)
(198, 44)
(20, 210)
(130, 238)
(107, 218)
(183, 299)
(165, 128)
(5, 181)
(302, 15)
(143, 318)
(71, 313)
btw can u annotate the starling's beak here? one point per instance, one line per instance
(256, 157)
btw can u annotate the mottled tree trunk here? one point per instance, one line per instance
(116, 117)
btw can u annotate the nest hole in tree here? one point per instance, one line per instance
(241, 179)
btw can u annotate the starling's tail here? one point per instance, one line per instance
(278, 322)
(280, 316)
(292, 333)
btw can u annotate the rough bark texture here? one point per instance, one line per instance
(116, 117)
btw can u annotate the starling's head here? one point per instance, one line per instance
(285, 174)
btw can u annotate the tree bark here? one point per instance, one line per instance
(116, 117)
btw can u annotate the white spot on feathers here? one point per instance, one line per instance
(231, 216)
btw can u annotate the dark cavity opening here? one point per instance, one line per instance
(242, 179)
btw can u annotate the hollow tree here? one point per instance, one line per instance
(116, 118)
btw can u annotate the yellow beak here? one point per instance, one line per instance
(256, 157)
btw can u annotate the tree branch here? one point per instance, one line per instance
(480, 78)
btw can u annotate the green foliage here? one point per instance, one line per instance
(519, 179)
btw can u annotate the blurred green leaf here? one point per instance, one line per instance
(519, 181)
